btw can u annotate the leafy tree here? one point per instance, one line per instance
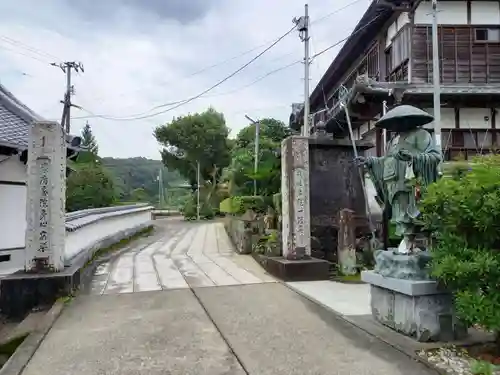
(90, 151)
(463, 210)
(139, 195)
(269, 128)
(89, 186)
(200, 137)
(240, 174)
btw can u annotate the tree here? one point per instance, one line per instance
(89, 153)
(463, 211)
(241, 174)
(200, 137)
(89, 186)
(139, 195)
(269, 128)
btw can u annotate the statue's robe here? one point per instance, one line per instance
(394, 179)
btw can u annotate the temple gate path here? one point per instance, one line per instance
(182, 302)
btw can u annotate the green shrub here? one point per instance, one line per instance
(207, 212)
(464, 213)
(189, 210)
(238, 205)
(254, 203)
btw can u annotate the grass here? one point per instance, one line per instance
(10, 347)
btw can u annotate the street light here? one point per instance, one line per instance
(256, 152)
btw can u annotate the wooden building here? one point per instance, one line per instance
(388, 57)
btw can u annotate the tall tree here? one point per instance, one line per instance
(240, 174)
(90, 186)
(89, 146)
(269, 128)
(200, 137)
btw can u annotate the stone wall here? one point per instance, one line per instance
(240, 235)
(335, 184)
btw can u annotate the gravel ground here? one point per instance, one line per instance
(453, 360)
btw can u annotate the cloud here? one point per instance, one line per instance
(141, 54)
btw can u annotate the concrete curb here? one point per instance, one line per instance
(406, 351)
(23, 354)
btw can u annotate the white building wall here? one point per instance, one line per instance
(470, 118)
(455, 13)
(450, 13)
(12, 203)
(485, 13)
(475, 118)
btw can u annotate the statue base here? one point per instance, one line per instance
(402, 266)
(415, 308)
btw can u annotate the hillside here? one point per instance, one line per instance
(140, 173)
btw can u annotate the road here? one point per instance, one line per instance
(181, 303)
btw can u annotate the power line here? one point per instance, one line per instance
(343, 40)
(27, 47)
(210, 88)
(179, 103)
(24, 54)
(93, 115)
(244, 53)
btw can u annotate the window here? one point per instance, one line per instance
(399, 51)
(487, 35)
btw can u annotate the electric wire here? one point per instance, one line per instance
(183, 102)
(179, 103)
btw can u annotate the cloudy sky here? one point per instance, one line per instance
(139, 54)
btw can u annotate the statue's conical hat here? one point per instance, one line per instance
(404, 118)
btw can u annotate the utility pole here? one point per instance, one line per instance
(198, 190)
(256, 152)
(303, 28)
(66, 67)
(436, 76)
(160, 188)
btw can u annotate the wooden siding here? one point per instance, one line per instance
(462, 59)
(369, 65)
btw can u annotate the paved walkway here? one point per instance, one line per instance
(184, 256)
(181, 303)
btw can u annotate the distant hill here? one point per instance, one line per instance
(140, 173)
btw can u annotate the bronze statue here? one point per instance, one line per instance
(410, 164)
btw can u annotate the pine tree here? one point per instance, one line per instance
(89, 146)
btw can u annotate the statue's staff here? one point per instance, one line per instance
(343, 92)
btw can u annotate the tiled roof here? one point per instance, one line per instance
(15, 119)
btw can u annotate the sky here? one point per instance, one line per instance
(139, 54)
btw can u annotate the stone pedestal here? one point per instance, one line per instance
(45, 207)
(416, 308)
(296, 229)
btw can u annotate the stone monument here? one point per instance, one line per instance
(403, 297)
(296, 262)
(45, 207)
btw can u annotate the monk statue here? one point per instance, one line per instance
(410, 164)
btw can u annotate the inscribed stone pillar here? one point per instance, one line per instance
(296, 237)
(45, 203)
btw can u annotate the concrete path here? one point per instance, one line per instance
(260, 328)
(186, 255)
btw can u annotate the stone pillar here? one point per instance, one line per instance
(346, 252)
(45, 203)
(296, 230)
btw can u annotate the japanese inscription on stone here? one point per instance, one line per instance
(43, 165)
(300, 214)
